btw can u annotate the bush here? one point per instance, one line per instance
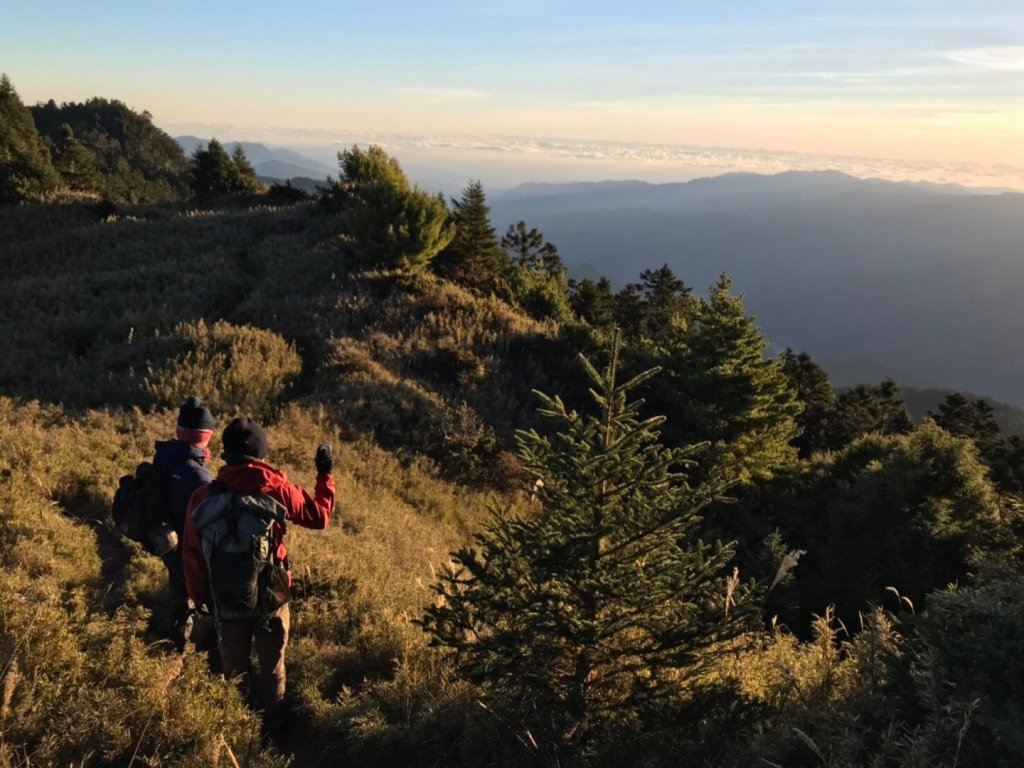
(236, 369)
(962, 685)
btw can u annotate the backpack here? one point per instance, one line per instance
(141, 503)
(246, 580)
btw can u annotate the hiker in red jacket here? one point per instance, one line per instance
(247, 479)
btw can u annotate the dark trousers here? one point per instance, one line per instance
(269, 637)
(176, 588)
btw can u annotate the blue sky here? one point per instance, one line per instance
(911, 83)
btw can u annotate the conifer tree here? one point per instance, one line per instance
(77, 165)
(864, 409)
(968, 418)
(474, 256)
(734, 396)
(528, 249)
(666, 301)
(915, 512)
(629, 311)
(535, 278)
(602, 606)
(26, 169)
(388, 221)
(815, 393)
(246, 174)
(593, 302)
(213, 172)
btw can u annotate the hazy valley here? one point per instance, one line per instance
(872, 278)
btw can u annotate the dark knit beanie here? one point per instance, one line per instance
(245, 437)
(195, 415)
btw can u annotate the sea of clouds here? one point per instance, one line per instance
(446, 162)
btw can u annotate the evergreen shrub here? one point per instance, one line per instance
(238, 369)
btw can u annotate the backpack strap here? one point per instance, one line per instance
(215, 486)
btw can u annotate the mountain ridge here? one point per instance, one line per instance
(267, 161)
(921, 279)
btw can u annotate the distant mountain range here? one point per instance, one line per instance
(923, 282)
(270, 164)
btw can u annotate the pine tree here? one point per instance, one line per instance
(388, 222)
(528, 249)
(137, 162)
(474, 256)
(815, 393)
(77, 166)
(535, 279)
(630, 311)
(593, 301)
(213, 172)
(246, 174)
(733, 395)
(26, 169)
(968, 418)
(602, 606)
(864, 409)
(667, 301)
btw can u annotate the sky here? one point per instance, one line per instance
(916, 89)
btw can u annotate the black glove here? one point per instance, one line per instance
(324, 460)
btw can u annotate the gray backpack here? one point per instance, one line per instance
(245, 578)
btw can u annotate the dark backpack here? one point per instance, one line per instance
(246, 579)
(142, 503)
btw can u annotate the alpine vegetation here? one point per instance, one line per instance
(593, 616)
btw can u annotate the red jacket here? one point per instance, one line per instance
(252, 477)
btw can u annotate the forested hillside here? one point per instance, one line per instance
(575, 526)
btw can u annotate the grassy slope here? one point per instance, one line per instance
(91, 307)
(409, 377)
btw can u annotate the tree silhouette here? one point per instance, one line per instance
(26, 169)
(474, 256)
(527, 248)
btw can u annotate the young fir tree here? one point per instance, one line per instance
(474, 256)
(735, 397)
(77, 165)
(25, 167)
(600, 610)
(246, 174)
